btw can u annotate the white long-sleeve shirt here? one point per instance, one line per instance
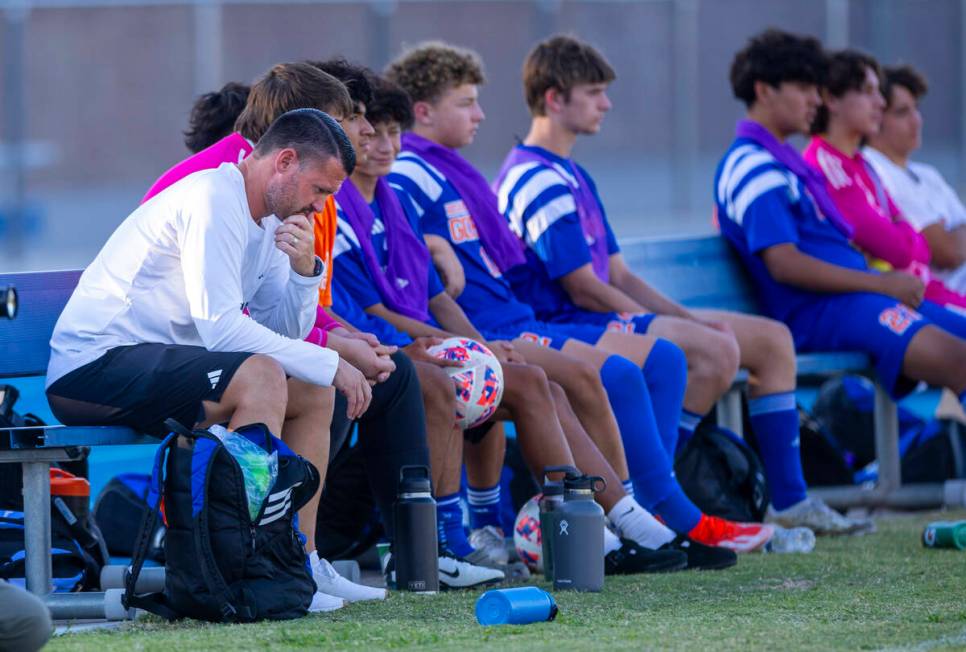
(180, 270)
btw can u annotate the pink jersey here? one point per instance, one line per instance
(233, 148)
(879, 228)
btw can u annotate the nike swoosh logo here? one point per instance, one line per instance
(629, 511)
(454, 574)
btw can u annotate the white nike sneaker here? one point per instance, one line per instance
(490, 541)
(814, 514)
(328, 581)
(456, 573)
(325, 602)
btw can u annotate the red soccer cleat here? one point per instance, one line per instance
(740, 537)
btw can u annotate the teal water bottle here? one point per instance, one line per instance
(945, 534)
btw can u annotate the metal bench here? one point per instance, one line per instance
(24, 352)
(704, 272)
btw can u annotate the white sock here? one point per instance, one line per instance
(611, 542)
(636, 523)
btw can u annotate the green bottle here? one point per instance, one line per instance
(945, 534)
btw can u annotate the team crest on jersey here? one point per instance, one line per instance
(899, 318)
(541, 340)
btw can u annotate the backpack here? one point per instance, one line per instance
(931, 451)
(722, 475)
(120, 509)
(74, 565)
(222, 565)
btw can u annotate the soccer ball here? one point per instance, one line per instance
(479, 382)
(526, 535)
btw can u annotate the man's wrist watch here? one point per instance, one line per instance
(319, 266)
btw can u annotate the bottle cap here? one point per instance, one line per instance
(414, 479)
(591, 483)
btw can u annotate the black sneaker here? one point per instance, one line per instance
(700, 556)
(632, 558)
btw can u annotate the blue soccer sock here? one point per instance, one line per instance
(449, 525)
(655, 486)
(686, 426)
(666, 376)
(484, 506)
(774, 418)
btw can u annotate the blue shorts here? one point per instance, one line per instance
(552, 336)
(874, 324)
(622, 322)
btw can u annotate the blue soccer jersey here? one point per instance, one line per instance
(537, 200)
(487, 298)
(350, 267)
(760, 204)
(348, 309)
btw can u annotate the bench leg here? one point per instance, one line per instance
(887, 441)
(36, 507)
(729, 411)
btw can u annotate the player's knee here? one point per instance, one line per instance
(437, 390)
(775, 346)
(716, 363)
(260, 379)
(310, 398)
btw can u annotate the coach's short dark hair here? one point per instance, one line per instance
(906, 76)
(774, 57)
(313, 134)
(846, 72)
(355, 78)
(289, 86)
(213, 115)
(561, 62)
(390, 103)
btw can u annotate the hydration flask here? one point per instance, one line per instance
(578, 536)
(551, 499)
(517, 606)
(415, 550)
(945, 534)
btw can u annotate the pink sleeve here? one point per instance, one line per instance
(318, 337)
(897, 243)
(323, 321)
(230, 149)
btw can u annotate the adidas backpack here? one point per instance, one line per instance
(221, 564)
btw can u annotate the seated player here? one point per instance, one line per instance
(155, 328)
(777, 214)
(391, 275)
(920, 193)
(213, 116)
(575, 273)
(455, 204)
(397, 389)
(851, 111)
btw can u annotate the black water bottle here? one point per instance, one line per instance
(415, 549)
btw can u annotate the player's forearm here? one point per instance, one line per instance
(451, 317)
(788, 265)
(648, 297)
(596, 296)
(409, 326)
(948, 247)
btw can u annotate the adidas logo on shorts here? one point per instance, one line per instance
(214, 377)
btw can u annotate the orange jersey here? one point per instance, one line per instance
(324, 224)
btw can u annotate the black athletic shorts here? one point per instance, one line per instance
(140, 386)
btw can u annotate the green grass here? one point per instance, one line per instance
(873, 592)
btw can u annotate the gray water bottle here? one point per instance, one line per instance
(578, 536)
(550, 501)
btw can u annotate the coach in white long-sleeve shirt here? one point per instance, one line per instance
(156, 327)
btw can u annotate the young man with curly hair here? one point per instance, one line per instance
(776, 212)
(456, 206)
